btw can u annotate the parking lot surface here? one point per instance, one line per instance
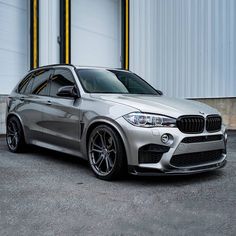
(47, 193)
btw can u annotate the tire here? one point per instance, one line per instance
(106, 153)
(15, 135)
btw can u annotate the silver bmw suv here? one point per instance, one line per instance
(115, 120)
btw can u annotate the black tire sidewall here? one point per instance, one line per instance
(119, 163)
(21, 141)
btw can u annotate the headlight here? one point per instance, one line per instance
(150, 120)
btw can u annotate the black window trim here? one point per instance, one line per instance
(48, 80)
(28, 75)
(52, 71)
(31, 74)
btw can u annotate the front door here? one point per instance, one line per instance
(61, 116)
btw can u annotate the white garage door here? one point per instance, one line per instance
(96, 32)
(13, 43)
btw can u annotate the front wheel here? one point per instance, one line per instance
(106, 153)
(14, 135)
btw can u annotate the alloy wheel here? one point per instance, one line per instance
(12, 135)
(102, 152)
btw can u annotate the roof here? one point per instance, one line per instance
(53, 65)
(77, 67)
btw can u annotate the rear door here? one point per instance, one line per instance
(36, 103)
(61, 116)
(31, 103)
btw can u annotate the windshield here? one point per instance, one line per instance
(113, 81)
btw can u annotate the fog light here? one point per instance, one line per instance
(165, 138)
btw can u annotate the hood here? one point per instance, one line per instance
(173, 107)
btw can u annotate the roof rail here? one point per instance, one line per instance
(89, 66)
(102, 67)
(119, 68)
(59, 64)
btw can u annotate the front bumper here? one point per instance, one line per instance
(146, 171)
(137, 137)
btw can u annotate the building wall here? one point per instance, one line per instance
(227, 108)
(2, 114)
(185, 48)
(14, 48)
(49, 32)
(14, 43)
(96, 32)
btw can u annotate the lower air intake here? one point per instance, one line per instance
(151, 153)
(198, 158)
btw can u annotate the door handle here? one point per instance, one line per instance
(49, 103)
(22, 99)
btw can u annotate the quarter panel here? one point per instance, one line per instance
(29, 108)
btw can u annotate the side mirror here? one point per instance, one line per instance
(159, 92)
(68, 91)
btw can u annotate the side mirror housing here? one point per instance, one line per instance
(159, 91)
(68, 91)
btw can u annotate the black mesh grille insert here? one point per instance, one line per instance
(190, 124)
(213, 123)
(206, 138)
(198, 158)
(151, 153)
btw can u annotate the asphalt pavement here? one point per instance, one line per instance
(48, 193)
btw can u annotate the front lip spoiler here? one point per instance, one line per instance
(142, 171)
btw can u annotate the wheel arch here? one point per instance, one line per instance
(20, 120)
(115, 126)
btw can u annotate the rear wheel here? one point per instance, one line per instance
(14, 135)
(106, 153)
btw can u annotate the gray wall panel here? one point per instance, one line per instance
(96, 32)
(13, 43)
(186, 48)
(48, 32)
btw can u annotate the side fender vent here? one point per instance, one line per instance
(81, 129)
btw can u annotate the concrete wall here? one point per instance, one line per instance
(227, 107)
(2, 114)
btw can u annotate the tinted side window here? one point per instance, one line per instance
(24, 83)
(61, 78)
(134, 84)
(28, 89)
(41, 85)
